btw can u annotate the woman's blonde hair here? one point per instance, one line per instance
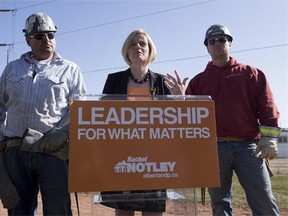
(129, 41)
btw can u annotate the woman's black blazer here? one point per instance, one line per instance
(116, 83)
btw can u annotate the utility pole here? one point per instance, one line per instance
(4, 44)
(7, 45)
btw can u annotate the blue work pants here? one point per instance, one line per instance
(31, 172)
(252, 174)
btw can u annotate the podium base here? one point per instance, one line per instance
(179, 202)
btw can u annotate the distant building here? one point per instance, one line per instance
(283, 144)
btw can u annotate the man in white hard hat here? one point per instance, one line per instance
(34, 99)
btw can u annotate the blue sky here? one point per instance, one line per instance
(91, 34)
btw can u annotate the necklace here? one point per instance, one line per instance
(140, 81)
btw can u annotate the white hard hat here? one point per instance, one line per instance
(39, 22)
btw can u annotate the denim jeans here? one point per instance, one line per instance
(252, 175)
(31, 172)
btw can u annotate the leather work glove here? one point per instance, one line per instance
(56, 138)
(53, 140)
(31, 140)
(63, 153)
(267, 144)
(268, 148)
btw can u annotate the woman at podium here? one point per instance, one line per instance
(138, 80)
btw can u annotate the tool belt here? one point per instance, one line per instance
(13, 143)
(62, 152)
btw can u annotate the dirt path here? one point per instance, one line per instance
(279, 167)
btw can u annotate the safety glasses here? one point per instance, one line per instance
(41, 36)
(221, 40)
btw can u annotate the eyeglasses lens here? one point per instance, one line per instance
(41, 36)
(221, 40)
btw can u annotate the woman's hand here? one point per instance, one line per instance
(175, 85)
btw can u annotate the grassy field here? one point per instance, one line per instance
(280, 191)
